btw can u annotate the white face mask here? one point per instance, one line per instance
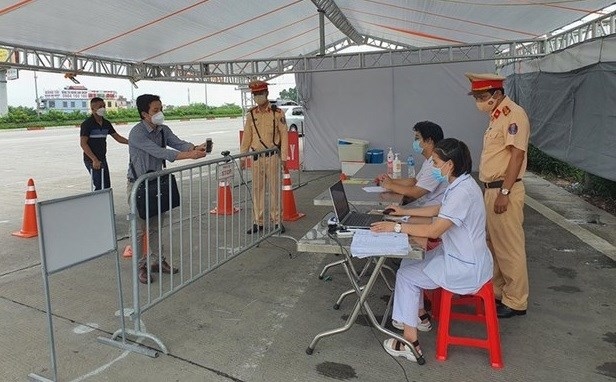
(486, 106)
(101, 112)
(260, 99)
(158, 118)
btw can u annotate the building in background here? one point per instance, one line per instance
(77, 98)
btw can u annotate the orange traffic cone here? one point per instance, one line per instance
(289, 212)
(225, 200)
(29, 228)
(128, 250)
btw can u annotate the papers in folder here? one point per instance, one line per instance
(367, 243)
(374, 189)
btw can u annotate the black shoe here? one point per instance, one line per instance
(144, 278)
(164, 267)
(503, 311)
(255, 228)
(282, 229)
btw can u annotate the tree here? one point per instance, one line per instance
(291, 94)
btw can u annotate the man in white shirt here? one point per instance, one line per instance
(423, 189)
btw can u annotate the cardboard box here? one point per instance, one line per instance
(352, 150)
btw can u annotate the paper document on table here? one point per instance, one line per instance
(357, 181)
(374, 189)
(367, 243)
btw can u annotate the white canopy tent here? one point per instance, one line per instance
(161, 31)
(149, 38)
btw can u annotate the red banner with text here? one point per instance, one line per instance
(293, 152)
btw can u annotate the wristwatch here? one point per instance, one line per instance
(504, 191)
(398, 228)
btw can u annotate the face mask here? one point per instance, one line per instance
(101, 112)
(158, 118)
(417, 146)
(437, 174)
(260, 99)
(486, 106)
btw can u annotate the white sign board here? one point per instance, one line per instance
(75, 229)
(12, 74)
(225, 171)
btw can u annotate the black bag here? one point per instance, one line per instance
(148, 207)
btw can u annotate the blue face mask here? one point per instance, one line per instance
(417, 146)
(438, 174)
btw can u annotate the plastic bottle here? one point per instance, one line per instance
(410, 164)
(397, 166)
(390, 161)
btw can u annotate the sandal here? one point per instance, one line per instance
(425, 326)
(396, 348)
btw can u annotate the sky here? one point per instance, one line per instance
(21, 92)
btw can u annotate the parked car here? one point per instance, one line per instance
(295, 119)
(283, 102)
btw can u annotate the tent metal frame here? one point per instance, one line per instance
(242, 71)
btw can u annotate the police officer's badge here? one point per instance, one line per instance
(512, 129)
(506, 110)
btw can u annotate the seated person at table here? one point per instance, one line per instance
(423, 189)
(464, 262)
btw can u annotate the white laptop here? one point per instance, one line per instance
(345, 216)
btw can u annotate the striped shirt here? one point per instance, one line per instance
(97, 137)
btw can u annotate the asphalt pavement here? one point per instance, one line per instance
(253, 318)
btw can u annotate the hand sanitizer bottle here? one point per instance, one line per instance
(410, 164)
(397, 166)
(390, 161)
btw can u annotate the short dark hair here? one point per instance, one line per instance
(144, 101)
(95, 100)
(429, 131)
(456, 151)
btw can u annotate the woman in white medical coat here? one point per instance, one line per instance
(464, 262)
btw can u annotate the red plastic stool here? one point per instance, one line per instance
(488, 315)
(434, 295)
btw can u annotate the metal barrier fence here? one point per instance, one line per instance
(208, 228)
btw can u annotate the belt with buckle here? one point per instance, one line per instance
(496, 184)
(266, 154)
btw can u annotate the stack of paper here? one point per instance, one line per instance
(367, 243)
(374, 189)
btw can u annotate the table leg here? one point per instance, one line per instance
(363, 295)
(351, 291)
(339, 262)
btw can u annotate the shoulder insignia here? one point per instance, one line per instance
(496, 113)
(506, 110)
(512, 129)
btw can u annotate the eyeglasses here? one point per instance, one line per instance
(482, 96)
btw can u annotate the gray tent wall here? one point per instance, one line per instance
(570, 98)
(573, 115)
(382, 105)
